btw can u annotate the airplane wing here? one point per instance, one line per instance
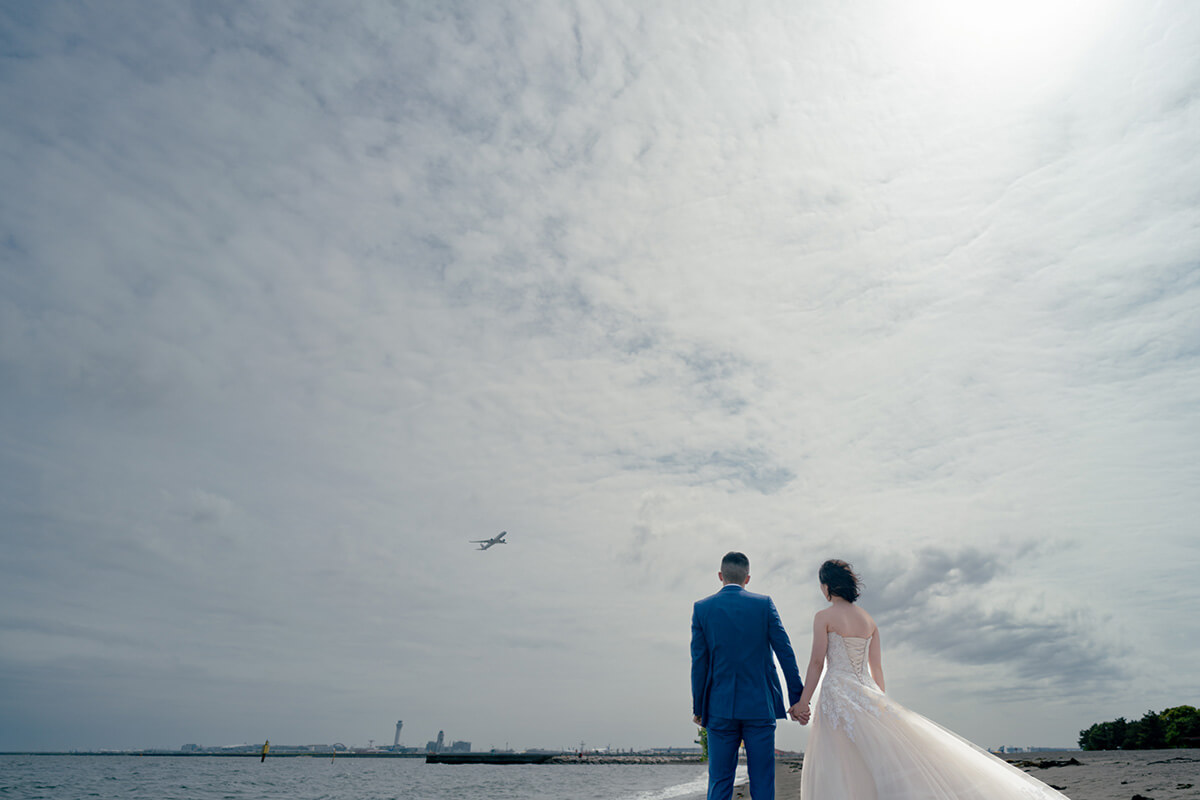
(484, 544)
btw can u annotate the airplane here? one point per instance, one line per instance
(484, 544)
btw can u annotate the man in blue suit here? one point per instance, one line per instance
(735, 689)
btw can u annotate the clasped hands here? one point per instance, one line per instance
(799, 712)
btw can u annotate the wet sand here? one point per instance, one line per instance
(1118, 774)
(787, 777)
(787, 781)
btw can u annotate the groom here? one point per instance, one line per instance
(735, 689)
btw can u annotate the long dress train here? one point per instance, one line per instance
(865, 746)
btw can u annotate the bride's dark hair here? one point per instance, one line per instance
(839, 578)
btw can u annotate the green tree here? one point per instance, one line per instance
(1104, 735)
(1148, 733)
(1117, 734)
(1090, 739)
(1181, 726)
(1174, 727)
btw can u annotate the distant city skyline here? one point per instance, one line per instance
(296, 301)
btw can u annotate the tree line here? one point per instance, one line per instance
(1174, 727)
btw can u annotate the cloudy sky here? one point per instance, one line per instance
(296, 299)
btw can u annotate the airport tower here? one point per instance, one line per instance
(399, 725)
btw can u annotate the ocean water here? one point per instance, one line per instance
(1116, 775)
(319, 778)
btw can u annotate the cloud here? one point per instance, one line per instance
(964, 605)
(1066, 651)
(294, 303)
(751, 469)
(202, 507)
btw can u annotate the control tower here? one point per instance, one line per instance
(399, 725)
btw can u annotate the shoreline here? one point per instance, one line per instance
(551, 758)
(787, 780)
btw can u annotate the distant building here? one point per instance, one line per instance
(191, 748)
(460, 747)
(438, 746)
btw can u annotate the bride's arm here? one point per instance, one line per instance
(875, 659)
(816, 664)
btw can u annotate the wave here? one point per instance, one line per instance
(696, 786)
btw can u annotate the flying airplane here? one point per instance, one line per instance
(484, 544)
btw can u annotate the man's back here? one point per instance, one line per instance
(735, 687)
(734, 633)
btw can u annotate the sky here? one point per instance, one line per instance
(296, 299)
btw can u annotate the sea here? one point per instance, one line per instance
(1113, 775)
(74, 777)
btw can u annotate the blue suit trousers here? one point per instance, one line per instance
(724, 736)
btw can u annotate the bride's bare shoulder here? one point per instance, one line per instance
(851, 622)
(870, 621)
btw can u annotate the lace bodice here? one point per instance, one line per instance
(847, 689)
(848, 654)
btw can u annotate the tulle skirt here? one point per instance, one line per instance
(867, 747)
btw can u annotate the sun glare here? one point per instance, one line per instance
(1015, 41)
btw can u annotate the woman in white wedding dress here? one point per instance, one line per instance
(865, 746)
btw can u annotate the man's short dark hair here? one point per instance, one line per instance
(735, 567)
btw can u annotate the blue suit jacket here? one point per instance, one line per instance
(734, 633)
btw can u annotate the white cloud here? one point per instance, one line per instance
(293, 303)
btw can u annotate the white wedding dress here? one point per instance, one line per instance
(865, 746)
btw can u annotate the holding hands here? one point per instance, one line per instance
(800, 712)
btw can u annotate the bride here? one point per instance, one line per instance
(864, 745)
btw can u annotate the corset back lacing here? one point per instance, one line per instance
(848, 654)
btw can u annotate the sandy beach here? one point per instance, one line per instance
(787, 777)
(1103, 775)
(787, 780)
(1118, 774)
